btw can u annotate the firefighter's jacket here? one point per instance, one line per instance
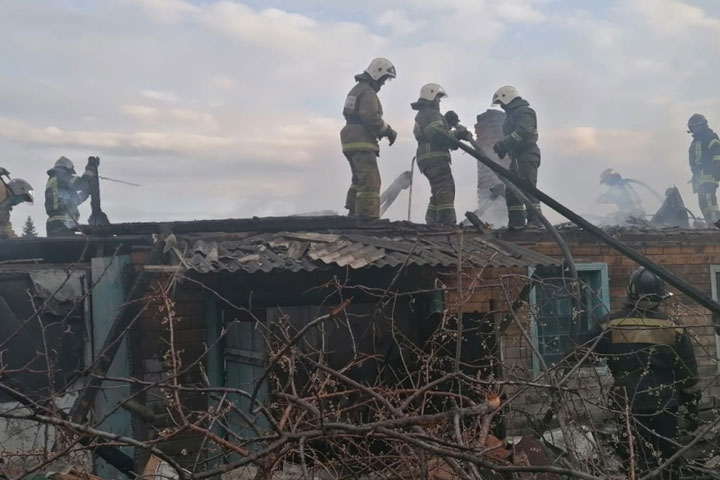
(363, 116)
(64, 191)
(520, 131)
(430, 125)
(704, 156)
(6, 230)
(651, 358)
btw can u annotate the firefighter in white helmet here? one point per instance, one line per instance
(433, 153)
(359, 137)
(520, 143)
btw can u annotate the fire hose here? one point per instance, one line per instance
(529, 189)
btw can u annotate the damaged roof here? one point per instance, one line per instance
(357, 248)
(284, 244)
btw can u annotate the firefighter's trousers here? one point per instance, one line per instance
(653, 434)
(57, 228)
(526, 166)
(441, 208)
(707, 199)
(363, 196)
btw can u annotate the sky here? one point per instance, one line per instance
(229, 109)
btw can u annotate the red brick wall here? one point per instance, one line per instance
(689, 257)
(687, 254)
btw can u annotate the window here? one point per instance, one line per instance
(715, 284)
(552, 301)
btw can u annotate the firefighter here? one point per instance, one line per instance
(621, 193)
(653, 365)
(359, 137)
(64, 192)
(433, 152)
(12, 192)
(705, 166)
(520, 143)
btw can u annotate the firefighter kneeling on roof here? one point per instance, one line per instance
(653, 364)
(64, 192)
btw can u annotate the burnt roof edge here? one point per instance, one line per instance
(66, 250)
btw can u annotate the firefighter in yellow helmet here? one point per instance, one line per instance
(433, 153)
(359, 137)
(12, 192)
(705, 166)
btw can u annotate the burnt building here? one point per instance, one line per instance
(197, 304)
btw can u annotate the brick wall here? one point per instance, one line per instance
(688, 254)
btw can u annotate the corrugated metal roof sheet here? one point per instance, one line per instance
(308, 251)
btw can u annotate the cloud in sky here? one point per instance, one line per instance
(226, 108)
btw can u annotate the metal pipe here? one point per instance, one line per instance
(617, 245)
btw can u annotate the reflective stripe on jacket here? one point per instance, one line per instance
(650, 356)
(704, 158)
(429, 127)
(520, 129)
(363, 115)
(64, 192)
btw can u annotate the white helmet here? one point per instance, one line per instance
(505, 95)
(380, 67)
(431, 91)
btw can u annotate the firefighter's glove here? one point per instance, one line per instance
(462, 133)
(500, 149)
(93, 162)
(391, 135)
(452, 118)
(3, 171)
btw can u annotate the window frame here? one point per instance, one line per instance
(714, 271)
(600, 267)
